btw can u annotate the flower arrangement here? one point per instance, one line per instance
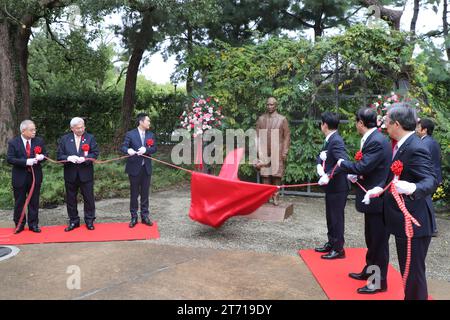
(205, 114)
(383, 103)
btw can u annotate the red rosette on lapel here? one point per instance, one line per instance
(358, 155)
(85, 147)
(150, 142)
(37, 150)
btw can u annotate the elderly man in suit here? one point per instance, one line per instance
(336, 189)
(416, 182)
(139, 141)
(77, 148)
(371, 170)
(425, 129)
(22, 156)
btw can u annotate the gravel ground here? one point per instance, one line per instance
(306, 228)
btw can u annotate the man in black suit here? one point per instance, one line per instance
(371, 171)
(75, 147)
(137, 142)
(21, 155)
(425, 130)
(336, 189)
(416, 182)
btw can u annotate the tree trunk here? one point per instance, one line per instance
(415, 16)
(14, 85)
(190, 75)
(143, 40)
(445, 23)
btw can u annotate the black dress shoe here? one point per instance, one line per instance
(370, 288)
(326, 248)
(72, 226)
(333, 254)
(19, 230)
(133, 222)
(35, 229)
(147, 221)
(359, 276)
(90, 226)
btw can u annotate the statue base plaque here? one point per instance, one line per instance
(269, 212)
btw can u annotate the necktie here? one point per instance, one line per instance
(142, 138)
(77, 142)
(325, 145)
(362, 143)
(28, 149)
(395, 151)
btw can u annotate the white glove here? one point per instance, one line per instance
(40, 157)
(324, 180)
(352, 177)
(141, 151)
(339, 162)
(131, 152)
(31, 162)
(320, 170)
(372, 193)
(73, 159)
(323, 155)
(81, 160)
(405, 187)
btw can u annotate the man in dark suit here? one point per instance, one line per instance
(416, 182)
(75, 147)
(336, 189)
(21, 155)
(371, 170)
(425, 130)
(137, 142)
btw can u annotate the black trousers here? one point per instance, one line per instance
(20, 196)
(377, 241)
(139, 186)
(87, 191)
(335, 206)
(416, 285)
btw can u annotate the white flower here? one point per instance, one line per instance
(379, 97)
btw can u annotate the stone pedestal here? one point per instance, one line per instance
(269, 212)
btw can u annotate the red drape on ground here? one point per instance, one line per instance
(215, 199)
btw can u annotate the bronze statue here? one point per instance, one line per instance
(274, 139)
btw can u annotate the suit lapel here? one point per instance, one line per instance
(402, 149)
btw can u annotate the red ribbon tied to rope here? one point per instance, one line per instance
(37, 150)
(358, 155)
(397, 169)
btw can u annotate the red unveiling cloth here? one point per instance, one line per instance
(215, 199)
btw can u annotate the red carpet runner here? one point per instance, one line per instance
(103, 232)
(332, 275)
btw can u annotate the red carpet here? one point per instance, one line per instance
(332, 276)
(103, 232)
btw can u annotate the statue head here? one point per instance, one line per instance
(271, 105)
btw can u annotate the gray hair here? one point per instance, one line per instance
(24, 124)
(75, 121)
(405, 114)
